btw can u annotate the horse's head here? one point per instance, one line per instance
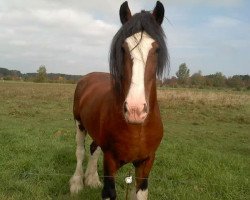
(138, 54)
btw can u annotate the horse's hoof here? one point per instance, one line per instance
(76, 184)
(92, 181)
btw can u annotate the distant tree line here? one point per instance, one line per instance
(182, 78)
(197, 80)
(39, 77)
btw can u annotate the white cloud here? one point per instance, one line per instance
(204, 2)
(224, 22)
(74, 36)
(56, 37)
(18, 42)
(214, 43)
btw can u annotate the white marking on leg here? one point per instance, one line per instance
(91, 174)
(76, 181)
(142, 194)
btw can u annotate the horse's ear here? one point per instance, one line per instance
(125, 13)
(158, 12)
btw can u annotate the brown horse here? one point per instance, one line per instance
(120, 110)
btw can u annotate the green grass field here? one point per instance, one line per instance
(205, 153)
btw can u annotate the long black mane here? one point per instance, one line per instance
(143, 21)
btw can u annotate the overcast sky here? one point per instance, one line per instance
(73, 36)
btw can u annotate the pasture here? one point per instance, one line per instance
(205, 153)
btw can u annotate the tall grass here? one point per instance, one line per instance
(205, 97)
(204, 153)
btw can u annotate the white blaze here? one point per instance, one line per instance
(139, 53)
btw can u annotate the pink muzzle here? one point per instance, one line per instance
(135, 113)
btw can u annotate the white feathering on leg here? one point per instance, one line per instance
(76, 181)
(91, 174)
(142, 194)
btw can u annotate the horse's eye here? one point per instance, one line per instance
(157, 50)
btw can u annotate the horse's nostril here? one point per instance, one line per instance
(145, 108)
(125, 108)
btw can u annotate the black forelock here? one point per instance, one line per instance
(143, 21)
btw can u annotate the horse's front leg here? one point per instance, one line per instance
(110, 166)
(142, 170)
(76, 181)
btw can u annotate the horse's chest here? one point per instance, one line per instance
(135, 147)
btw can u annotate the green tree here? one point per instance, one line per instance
(41, 74)
(197, 79)
(235, 82)
(216, 80)
(219, 80)
(183, 74)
